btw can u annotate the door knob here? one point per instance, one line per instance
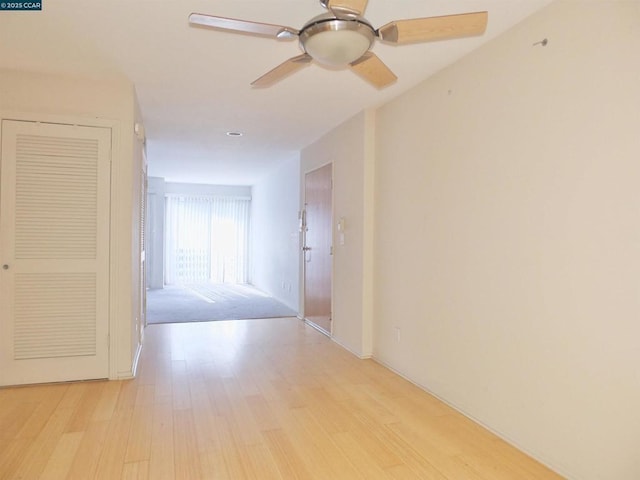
(306, 249)
(5, 267)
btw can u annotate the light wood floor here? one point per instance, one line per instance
(257, 399)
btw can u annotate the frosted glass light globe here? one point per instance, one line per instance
(336, 42)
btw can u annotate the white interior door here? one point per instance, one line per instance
(54, 252)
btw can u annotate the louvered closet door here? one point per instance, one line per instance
(54, 252)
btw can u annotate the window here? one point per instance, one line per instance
(206, 239)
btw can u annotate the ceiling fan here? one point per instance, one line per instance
(343, 37)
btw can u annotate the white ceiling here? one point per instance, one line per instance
(193, 83)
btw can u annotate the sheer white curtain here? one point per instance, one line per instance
(206, 239)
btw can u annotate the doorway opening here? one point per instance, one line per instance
(198, 256)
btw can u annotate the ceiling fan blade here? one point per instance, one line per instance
(243, 26)
(354, 7)
(283, 70)
(373, 70)
(434, 28)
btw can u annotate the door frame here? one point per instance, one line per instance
(303, 190)
(115, 257)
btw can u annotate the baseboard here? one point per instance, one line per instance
(313, 325)
(351, 351)
(136, 360)
(333, 339)
(130, 374)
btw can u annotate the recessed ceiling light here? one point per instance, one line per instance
(234, 134)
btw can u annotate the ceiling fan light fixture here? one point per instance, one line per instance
(342, 37)
(337, 42)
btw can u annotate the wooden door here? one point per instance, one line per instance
(317, 247)
(54, 252)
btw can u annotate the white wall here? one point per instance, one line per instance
(33, 96)
(350, 148)
(508, 237)
(275, 237)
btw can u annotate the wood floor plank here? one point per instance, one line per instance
(11, 457)
(403, 472)
(61, 459)
(44, 444)
(74, 394)
(213, 466)
(441, 457)
(145, 395)
(106, 401)
(206, 437)
(140, 435)
(86, 407)
(42, 413)
(262, 464)
(136, 471)
(14, 416)
(161, 462)
(288, 461)
(362, 461)
(127, 395)
(186, 456)
(230, 449)
(114, 449)
(288, 393)
(235, 467)
(409, 458)
(85, 462)
(264, 417)
(333, 415)
(245, 428)
(181, 396)
(329, 460)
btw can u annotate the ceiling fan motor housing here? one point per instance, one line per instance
(337, 42)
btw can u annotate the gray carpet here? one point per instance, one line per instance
(210, 302)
